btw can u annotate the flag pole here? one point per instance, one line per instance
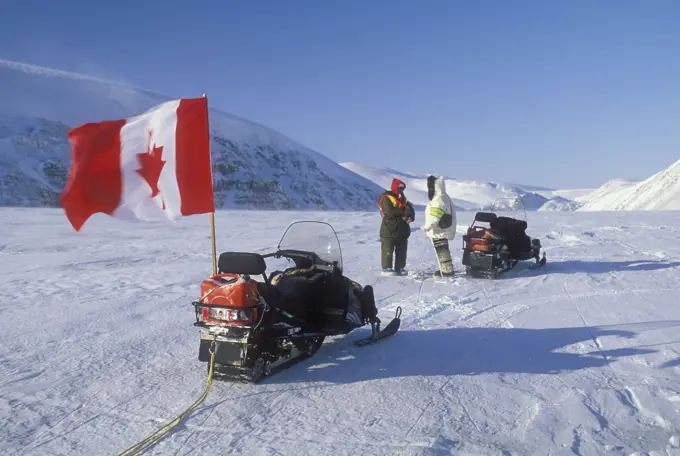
(212, 214)
(214, 248)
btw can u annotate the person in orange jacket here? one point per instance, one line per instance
(397, 213)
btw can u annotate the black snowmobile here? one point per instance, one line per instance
(489, 251)
(258, 327)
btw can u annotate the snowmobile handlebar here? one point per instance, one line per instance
(302, 254)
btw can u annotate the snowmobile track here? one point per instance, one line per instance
(585, 323)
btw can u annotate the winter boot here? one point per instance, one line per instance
(439, 275)
(444, 259)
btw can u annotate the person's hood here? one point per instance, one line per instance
(395, 186)
(435, 186)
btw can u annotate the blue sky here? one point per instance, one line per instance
(559, 94)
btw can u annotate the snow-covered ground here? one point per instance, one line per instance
(97, 347)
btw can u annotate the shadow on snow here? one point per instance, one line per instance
(590, 267)
(464, 351)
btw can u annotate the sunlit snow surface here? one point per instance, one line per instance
(97, 347)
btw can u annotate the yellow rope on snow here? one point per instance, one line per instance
(142, 445)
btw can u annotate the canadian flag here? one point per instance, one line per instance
(154, 166)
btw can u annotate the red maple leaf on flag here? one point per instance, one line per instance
(151, 163)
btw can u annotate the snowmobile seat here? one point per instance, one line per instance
(485, 217)
(241, 263)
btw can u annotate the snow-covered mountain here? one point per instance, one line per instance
(470, 194)
(253, 166)
(660, 192)
(559, 203)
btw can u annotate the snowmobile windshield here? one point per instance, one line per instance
(314, 237)
(512, 207)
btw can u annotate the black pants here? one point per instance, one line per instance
(441, 247)
(393, 249)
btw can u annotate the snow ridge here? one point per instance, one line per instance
(466, 194)
(658, 192)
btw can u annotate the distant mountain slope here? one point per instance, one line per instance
(558, 203)
(253, 166)
(657, 193)
(466, 195)
(33, 161)
(572, 194)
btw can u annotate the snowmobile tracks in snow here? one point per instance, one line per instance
(423, 275)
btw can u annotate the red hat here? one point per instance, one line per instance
(397, 186)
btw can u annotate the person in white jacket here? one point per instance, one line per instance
(440, 223)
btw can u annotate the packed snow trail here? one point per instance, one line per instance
(582, 356)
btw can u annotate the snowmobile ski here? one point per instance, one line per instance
(380, 334)
(539, 264)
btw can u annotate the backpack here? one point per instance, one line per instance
(446, 220)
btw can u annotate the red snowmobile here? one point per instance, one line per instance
(493, 249)
(257, 327)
